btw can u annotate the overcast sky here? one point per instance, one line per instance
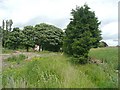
(57, 12)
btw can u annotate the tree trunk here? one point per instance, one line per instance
(39, 47)
(27, 48)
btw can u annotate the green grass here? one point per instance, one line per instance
(9, 51)
(4, 50)
(108, 55)
(19, 58)
(56, 71)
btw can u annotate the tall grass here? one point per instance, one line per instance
(46, 72)
(5, 50)
(17, 58)
(56, 71)
(109, 68)
(108, 55)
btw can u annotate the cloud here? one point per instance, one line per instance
(61, 22)
(57, 12)
(110, 29)
(110, 42)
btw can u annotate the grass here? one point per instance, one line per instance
(16, 59)
(4, 50)
(20, 57)
(56, 71)
(8, 51)
(108, 55)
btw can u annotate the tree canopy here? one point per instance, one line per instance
(82, 33)
(12, 40)
(48, 37)
(28, 37)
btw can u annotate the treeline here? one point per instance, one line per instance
(48, 37)
(81, 34)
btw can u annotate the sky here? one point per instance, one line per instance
(57, 13)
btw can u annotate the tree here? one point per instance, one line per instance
(10, 24)
(1, 36)
(3, 24)
(28, 37)
(48, 37)
(14, 39)
(7, 24)
(82, 33)
(5, 35)
(103, 44)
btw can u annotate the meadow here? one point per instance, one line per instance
(55, 70)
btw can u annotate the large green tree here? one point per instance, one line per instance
(82, 33)
(6, 30)
(10, 24)
(28, 37)
(3, 24)
(1, 35)
(13, 40)
(5, 36)
(7, 25)
(48, 37)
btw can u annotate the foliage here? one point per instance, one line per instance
(82, 33)
(48, 37)
(14, 39)
(5, 35)
(6, 29)
(3, 25)
(103, 44)
(10, 24)
(16, 59)
(57, 72)
(1, 39)
(28, 37)
(7, 24)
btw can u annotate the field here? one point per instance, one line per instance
(55, 70)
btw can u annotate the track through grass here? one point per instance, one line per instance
(55, 70)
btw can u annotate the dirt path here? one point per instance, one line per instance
(28, 54)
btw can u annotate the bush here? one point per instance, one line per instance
(103, 44)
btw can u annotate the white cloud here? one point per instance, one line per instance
(110, 42)
(110, 29)
(57, 12)
(110, 33)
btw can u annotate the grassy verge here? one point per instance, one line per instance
(109, 69)
(7, 50)
(108, 55)
(56, 71)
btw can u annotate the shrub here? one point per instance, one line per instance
(103, 44)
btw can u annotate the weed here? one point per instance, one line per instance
(57, 71)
